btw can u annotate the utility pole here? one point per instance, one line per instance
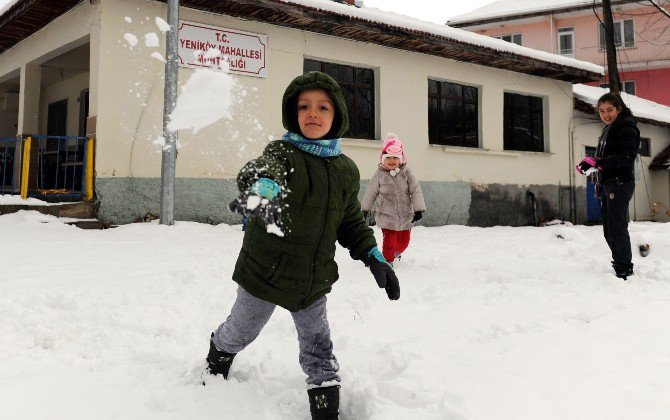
(170, 100)
(612, 70)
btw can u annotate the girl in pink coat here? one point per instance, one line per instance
(396, 196)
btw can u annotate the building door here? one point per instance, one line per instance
(83, 112)
(50, 148)
(57, 118)
(593, 212)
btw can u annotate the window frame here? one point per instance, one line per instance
(354, 131)
(540, 120)
(438, 140)
(511, 38)
(619, 24)
(566, 31)
(622, 86)
(645, 151)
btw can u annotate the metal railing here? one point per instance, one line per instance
(61, 165)
(9, 147)
(47, 166)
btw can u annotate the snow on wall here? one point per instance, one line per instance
(641, 107)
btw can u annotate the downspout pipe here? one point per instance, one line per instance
(533, 203)
(571, 170)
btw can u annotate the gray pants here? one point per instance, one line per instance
(250, 314)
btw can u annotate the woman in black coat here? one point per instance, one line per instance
(613, 165)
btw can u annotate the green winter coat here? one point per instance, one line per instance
(321, 207)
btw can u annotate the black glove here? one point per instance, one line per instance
(417, 216)
(268, 210)
(383, 273)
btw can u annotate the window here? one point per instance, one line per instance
(453, 114)
(524, 124)
(566, 40)
(514, 39)
(624, 34)
(645, 147)
(627, 86)
(358, 86)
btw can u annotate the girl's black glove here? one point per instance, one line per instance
(383, 272)
(417, 216)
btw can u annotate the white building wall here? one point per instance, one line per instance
(649, 186)
(131, 106)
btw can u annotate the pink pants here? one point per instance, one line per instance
(395, 242)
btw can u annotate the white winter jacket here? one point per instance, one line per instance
(396, 198)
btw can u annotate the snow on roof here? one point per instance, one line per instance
(502, 8)
(7, 6)
(642, 108)
(375, 15)
(401, 21)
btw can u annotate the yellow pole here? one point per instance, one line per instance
(25, 168)
(88, 195)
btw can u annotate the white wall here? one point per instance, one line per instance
(8, 118)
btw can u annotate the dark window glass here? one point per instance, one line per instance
(645, 147)
(628, 33)
(453, 117)
(628, 87)
(311, 65)
(524, 124)
(359, 94)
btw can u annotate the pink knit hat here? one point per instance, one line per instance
(393, 148)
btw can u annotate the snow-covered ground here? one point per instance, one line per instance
(492, 323)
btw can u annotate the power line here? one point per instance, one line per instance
(662, 10)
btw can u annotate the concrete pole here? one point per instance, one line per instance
(612, 70)
(170, 100)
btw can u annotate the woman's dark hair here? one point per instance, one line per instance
(615, 100)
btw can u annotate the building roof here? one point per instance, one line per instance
(21, 18)
(504, 10)
(364, 24)
(661, 161)
(644, 110)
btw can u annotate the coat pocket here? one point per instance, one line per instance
(279, 269)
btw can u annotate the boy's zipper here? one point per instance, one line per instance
(323, 222)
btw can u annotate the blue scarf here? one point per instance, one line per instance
(321, 148)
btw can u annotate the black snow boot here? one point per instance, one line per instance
(324, 403)
(218, 362)
(623, 270)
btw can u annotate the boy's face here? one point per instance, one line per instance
(315, 113)
(391, 162)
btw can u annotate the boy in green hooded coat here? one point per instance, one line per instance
(301, 197)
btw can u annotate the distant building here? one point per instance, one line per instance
(572, 28)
